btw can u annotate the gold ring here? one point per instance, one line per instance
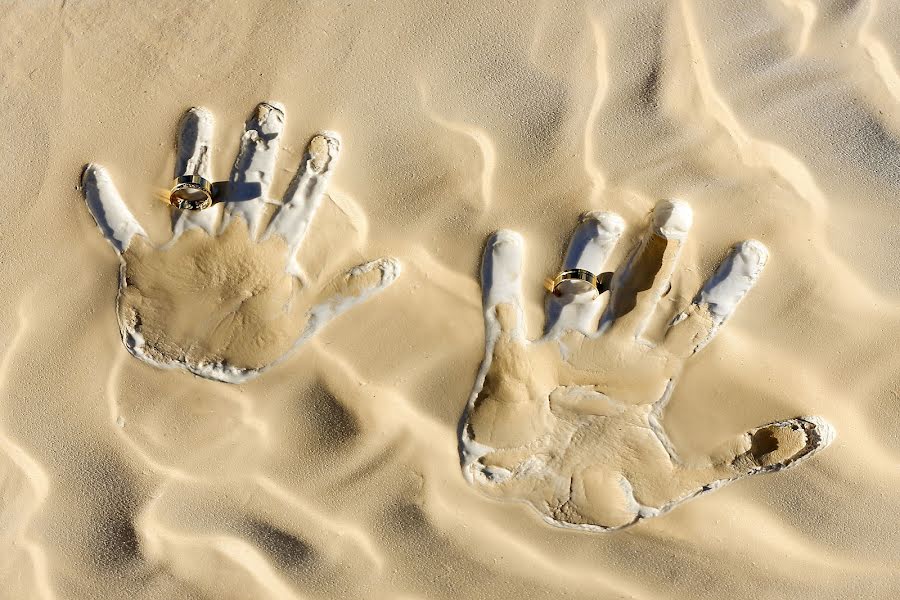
(191, 192)
(601, 282)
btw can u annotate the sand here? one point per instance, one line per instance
(330, 459)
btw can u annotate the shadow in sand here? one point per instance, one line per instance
(235, 191)
(642, 269)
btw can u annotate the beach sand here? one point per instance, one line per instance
(336, 472)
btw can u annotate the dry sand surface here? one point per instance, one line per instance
(318, 453)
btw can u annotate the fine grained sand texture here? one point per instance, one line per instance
(335, 472)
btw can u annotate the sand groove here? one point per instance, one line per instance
(24, 486)
(879, 53)
(754, 152)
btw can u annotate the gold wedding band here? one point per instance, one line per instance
(191, 192)
(601, 282)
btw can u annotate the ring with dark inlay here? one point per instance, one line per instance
(601, 282)
(191, 192)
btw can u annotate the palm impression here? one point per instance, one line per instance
(572, 423)
(225, 298)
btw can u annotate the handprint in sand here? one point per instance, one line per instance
(225, 298)
(572, 423)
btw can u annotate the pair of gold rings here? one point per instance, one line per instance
(191, 192)
(599, 282)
